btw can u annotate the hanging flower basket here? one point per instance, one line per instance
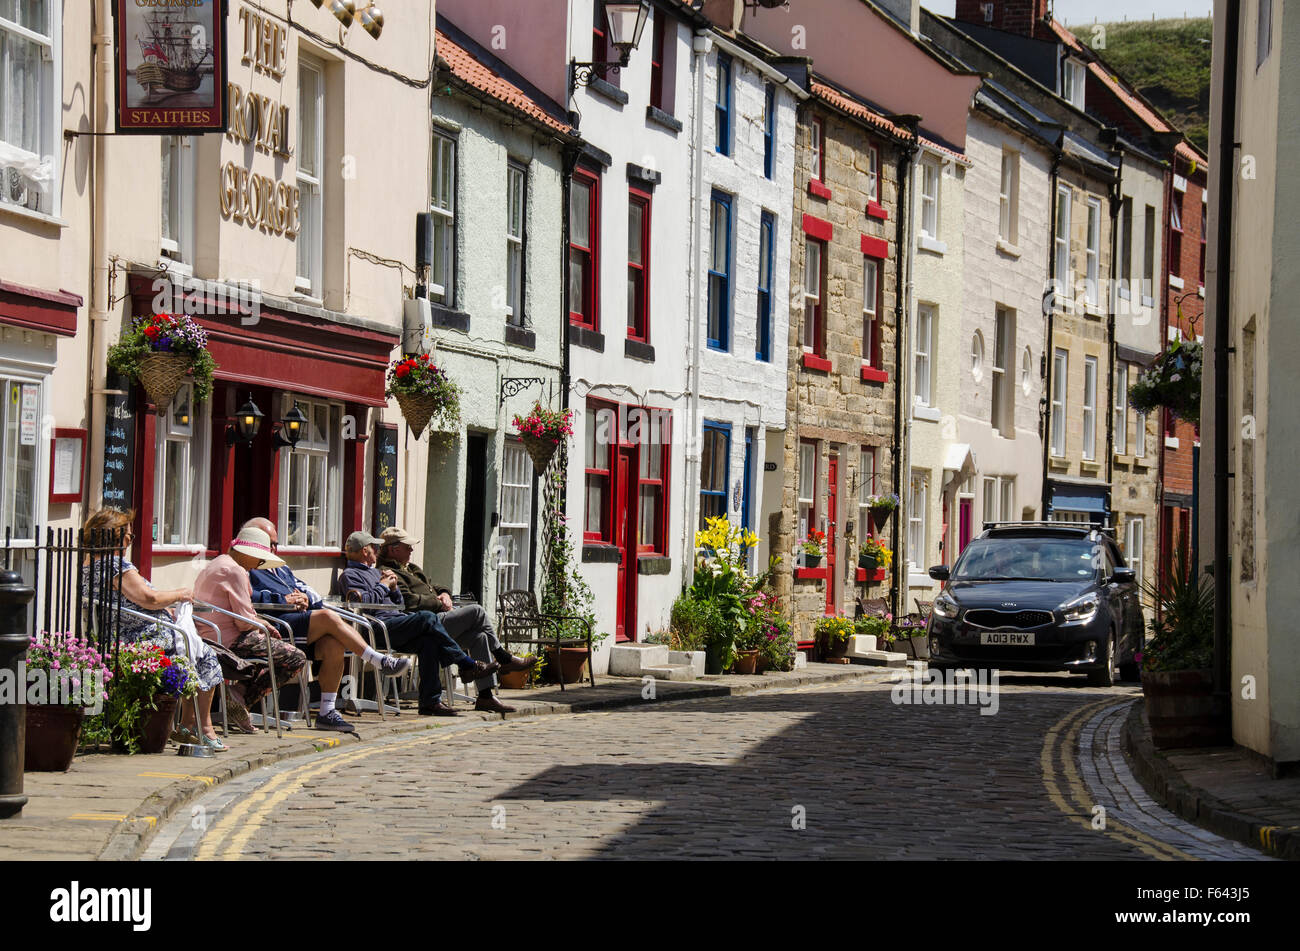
(541, 433)
(161, 351)
(541, 451)
(424, 392)
(1172, 382)
(882, 507)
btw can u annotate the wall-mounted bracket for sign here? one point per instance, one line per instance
(514, 385)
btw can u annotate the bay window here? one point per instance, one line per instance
(311, 478)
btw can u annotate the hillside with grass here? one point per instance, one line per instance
(1168, 61)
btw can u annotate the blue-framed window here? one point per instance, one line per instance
(720, 272)
(769, 130)
(723, 144)
(715, 471)
(766, 266)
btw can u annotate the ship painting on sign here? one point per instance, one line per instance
(176, 57)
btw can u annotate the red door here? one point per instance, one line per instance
(832, 513)
(964, 527)
(625, 528)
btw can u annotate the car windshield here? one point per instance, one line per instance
(1033, 559)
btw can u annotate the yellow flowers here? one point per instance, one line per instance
(720, 536)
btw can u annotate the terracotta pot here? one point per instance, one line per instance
(746, 662)
(573, 660)
(52, 734)
(156, 728)
(1183, 711)
(515, 680)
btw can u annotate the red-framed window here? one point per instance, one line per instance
(601, 441)
(657, 60)
(638, 266)
(873, 174)
(1176, 234)
(873, 272)
(653, 481)
(584, 249)
(599, 37)
(814, 297)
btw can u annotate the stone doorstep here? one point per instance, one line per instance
(670, 672)
(631, 659)
(879, 659)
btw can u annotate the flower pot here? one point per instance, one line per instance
(161, 375)
(155, 729)
(715, 654)
(746, 662)
(812, 561)
(880, 517)
(572, 662)
(52, 734)
(539, 449)
(764, 665)
(833, 647)
(867, 563)
(1183, 711)
(417, 409)
(515, 679)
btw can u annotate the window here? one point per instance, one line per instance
(766, 266)
(20, 462)
(1026, 371)
(1091, 288)
(1009, 198)
(999, 499)
(181, 473)
(814, 269)
(30, 103)
(769, 130)
(442, 203)
(723, 121)
(1072, 82)
(866, 488)
(1121, 410)
(1140, 436)
(638, 266)
(602, 429)
(516, 529)
(652, 517)
(871, 312)
(818, 151)
(657, 62)
(311, 478)
(1176, 234)
(715, 471)
(311, 158)
(1060, 371)
(599, 39)
(1089, 408)
(930, 199)
(873, 174)
(1061, 241)
(977, 356)
(177, 180)
(584, 207)
(720, 272)
(924, 348)
(1200, 272)
(1134, 539)
(1149, 256)
(807, 498)
(516, 218)
(1004, 394)
(1126, 245)
(1264, 32)
(916, 512)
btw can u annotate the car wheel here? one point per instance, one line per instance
(1105, 676)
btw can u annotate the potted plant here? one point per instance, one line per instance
(160, 350)
(832, 634)
(814, 548)
(541, 433)
(779, 647)
(142, 702)
(1172, 381)
(74, 675)
(520, 679)
(882, 506)
(874, 554)
(722, 579)
(912, 628)
(424, 392)
(1177, 663)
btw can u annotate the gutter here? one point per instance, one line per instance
(902, 324)
(1049, 355)
(1116, 202)
(100, 286)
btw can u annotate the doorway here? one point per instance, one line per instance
(832, 515)
(625, 539)
(471, 548)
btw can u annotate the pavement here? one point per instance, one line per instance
(109, 806)
(1227, 790)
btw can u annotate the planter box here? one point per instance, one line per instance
(1183, 711)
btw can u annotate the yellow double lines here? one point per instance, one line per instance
(1066, 789)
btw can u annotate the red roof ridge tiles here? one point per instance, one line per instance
(466, 67)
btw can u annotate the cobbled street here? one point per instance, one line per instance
(827, 772)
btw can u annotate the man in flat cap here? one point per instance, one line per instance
(468, 625)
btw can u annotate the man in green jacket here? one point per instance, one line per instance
(468, 625)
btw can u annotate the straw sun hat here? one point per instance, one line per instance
(257, 544)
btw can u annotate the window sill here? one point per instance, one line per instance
(587, 338)
(654, 565)
(174, 265)
(447, 319)
(926, 243)
(1175, 282)
(305, 297)
(817, 189)
(36, 216)
(600, 553)
(916, 579)
(165, 550)
(1171, 442)
(813, 362)
(810, 574)
(521, 337)
(930, 414)
(877, 211)
(1124, 293)
(284, 550)
(1092, 310)
(1148, 301)
(877, 575)
(872, 375)
(1009, 249)
(607, 90)
(663, 119)
(638, 350)
(1092, 466)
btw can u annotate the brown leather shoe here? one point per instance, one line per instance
(439, 709)
(517, 663)
(478, 671)
(489, 703)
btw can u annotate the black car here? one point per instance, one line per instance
(1046, 596)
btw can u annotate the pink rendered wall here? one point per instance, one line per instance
(855, 46)
(535, 35)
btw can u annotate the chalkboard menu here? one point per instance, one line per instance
(119, 443)
(385, 500)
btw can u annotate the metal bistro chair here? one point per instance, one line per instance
(362, 614)
(280, 723)
(216, 636)
(179, 635)
(517, 614)
(360, 623)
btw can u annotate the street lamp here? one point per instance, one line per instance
(626, 22)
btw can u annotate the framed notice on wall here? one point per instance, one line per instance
(67, 465)
(171, 66)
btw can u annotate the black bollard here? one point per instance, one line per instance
(14, 595)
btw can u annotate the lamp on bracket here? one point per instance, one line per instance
(246, 425)
(625, 22)
(291, 427)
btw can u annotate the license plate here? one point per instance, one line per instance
(1007, 638)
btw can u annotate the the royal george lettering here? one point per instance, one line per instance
(258, 119)
(265, 43)
(258, 201)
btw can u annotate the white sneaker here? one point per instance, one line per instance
(394, 666)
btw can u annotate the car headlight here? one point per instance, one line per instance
(1081, 609)
(945, 606)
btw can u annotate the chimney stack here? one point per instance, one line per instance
(1012, 16)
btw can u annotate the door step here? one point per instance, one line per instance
(670, 672)
(655, 660)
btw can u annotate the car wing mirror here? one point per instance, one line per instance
(1123, 576)
(939, 573)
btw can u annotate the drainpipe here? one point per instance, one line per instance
(699, 47)
(1222, 304)
(1049, 356)
(100, 288)
(1116, 201)
(902, 392)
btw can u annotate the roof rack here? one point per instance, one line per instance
(1068, 526)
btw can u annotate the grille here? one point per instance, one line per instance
(985, 617)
